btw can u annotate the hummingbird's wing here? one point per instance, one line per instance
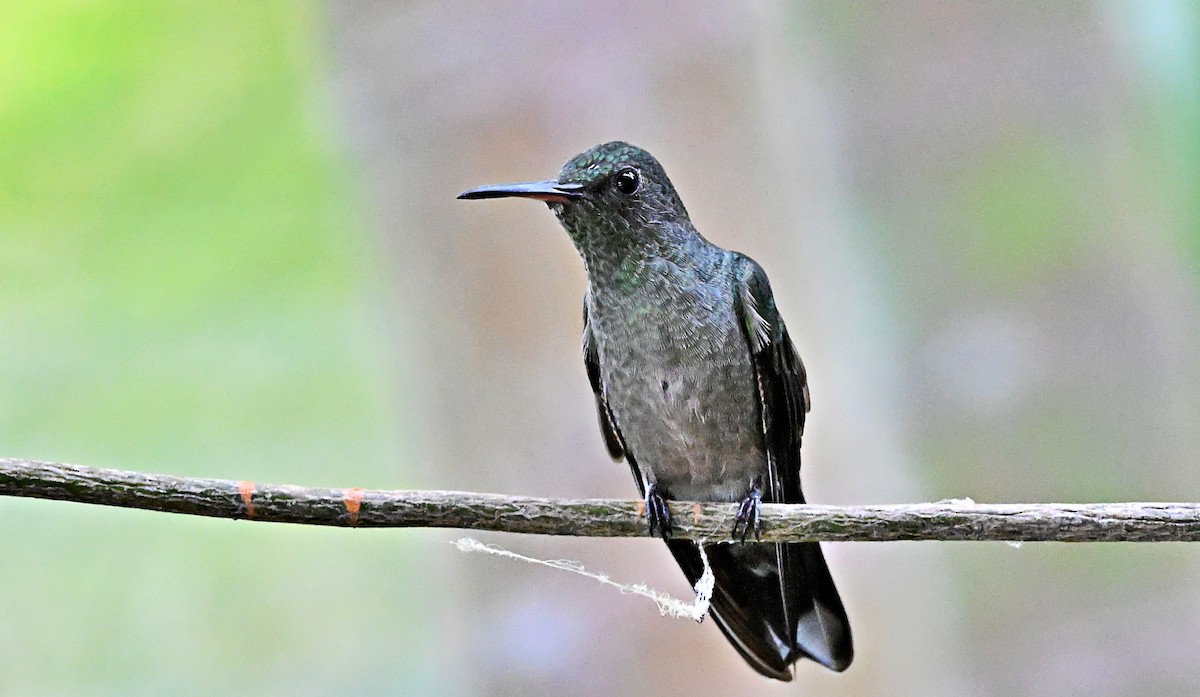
(815, 616)
(782, 380)
(612, 436)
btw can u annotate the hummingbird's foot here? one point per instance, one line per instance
(747, 516)
(657, 512)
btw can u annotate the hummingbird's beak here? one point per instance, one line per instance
(549, 191)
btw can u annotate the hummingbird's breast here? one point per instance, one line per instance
(679, 378)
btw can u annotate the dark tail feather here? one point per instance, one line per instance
(776, 603)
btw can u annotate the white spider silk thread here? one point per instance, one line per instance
(667, 605)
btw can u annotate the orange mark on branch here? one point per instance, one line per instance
(246, 489)
(641, 509)
(353, 500)
(697, 513)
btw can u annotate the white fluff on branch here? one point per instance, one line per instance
(667, 605)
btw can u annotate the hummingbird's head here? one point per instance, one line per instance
(612, 199)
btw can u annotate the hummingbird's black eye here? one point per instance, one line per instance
(627, 182)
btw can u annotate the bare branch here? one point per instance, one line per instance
(953, 520)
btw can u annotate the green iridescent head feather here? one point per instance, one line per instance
(602, 161)
(595, 168)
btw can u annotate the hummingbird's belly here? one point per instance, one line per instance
(683, 392)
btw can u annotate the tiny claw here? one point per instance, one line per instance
(748, 516)
(657, 513)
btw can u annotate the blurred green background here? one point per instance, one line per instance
(187, 285)
(229, 248)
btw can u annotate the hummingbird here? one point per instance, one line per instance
(700, 390)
